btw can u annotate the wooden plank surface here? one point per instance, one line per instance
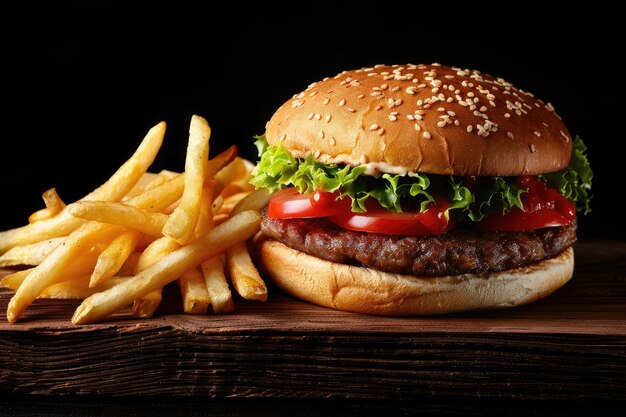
(570, 345)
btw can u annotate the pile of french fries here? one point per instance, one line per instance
(121, 244)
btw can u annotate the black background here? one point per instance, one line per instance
(83, 81)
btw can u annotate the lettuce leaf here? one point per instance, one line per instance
(574, 182)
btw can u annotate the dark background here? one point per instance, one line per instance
(83, 81)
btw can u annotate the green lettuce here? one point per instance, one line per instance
(574, 182)
(277, 169)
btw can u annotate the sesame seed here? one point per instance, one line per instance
(441, 124)
(394, 89)
(457, 123)
(398, 102)
(532, 147)
(426, 135)
(351, 110)
(510, 135)
(326, 101)
(313, 93)
(441, 109)
(328, 118)
(381, 131)
(342, 102)
(545, 124)
(483, 109)
(410, 90)
(378, 107)
(321, 134)
(297, 103)
(360, 96)
(316, 154)
(507, 115)
(417, 127)
(564, 136)
(283, 137)
(493, 103)
(469, 128)
(332, 141)
(451, 113)
(410, 117)
(301, 95)
(310, 116)
(393, 118)
(374, 127)
(375, 93)
(318, 116)
(536, 133)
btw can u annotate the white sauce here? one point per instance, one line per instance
(376, 169)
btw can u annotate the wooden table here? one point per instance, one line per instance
(571, 345)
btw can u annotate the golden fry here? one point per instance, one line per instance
(244, 275)
(146, 306)
(182, 221)
(212, 271)
(113, 257)
(32, 254)
(217, 286)
(120, 214)
(256, 200)
(193, 290)
(236, 229)
(54, 205)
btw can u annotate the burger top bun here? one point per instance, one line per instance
(423, 118)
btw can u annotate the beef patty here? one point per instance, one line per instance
(456, 252)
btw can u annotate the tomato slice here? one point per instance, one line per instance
(543, 207)
(289, 203)
(410, 223)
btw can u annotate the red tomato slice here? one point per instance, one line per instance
(378, 220)
(543, 207)
(289, 203)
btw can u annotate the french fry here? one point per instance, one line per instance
(120, 214)
(212, 270)
(145, 307)
(231, 201)
(142, 185)
(256, 200)
(130, 264)
(182, 221)
(194, 292)
(76, 243)
(79, 268)
(220, 218)
(32, 254)
(54, 205)
(237, 229)
(218, 163)
(120, 183)
(244, 275)
(113, 257)
(217, 286)
(77, 289)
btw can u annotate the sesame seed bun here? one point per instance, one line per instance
(423, 118)
(366, 290)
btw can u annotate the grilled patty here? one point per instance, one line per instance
(456, 252)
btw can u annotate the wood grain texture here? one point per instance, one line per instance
(568, 346)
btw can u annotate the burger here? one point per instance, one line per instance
(419, 189)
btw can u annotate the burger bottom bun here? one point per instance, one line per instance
(365, 290)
